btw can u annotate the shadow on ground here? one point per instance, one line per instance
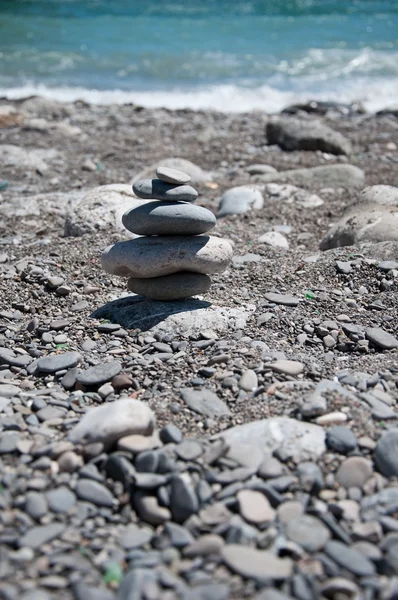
(137, 312)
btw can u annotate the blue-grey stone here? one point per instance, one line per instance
(168, 218)
(156, 189)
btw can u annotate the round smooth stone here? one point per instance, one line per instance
(172, 176)
(170, 287)
(171, 218)
(146, 257)
(156, 189)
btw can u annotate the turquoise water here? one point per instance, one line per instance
(229, 55)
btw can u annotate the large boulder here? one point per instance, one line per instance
(99, 208)
(373, 219)
(306, 134)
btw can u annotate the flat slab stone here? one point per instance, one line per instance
(156, 189)
(58, 362)
(171, 287)
(181, 317)
(256, 564)
(205, 402)
(346, 176)
(296, 437)
(285, 299)
(381, 338)
(304, 134)
(168, 218)
(98, 374)
(163, 255)
(37, 536)
(172, 175)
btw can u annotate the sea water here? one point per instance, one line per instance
(229, 55)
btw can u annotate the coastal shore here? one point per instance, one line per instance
(298, 333)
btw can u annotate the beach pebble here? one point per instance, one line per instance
(172, 175)
(171, 287)
(171, 218)
(149, 257)
(239, 200)
(274, 239)
(301, 134)
(94, 492)
(248, 381)
(307, 531)
(349, 559)
(354, 472)
(254, 507)
(381, 338)
(287, 367)
(341, 439)
(58, 362)
(99, 374)
(260, 565)
(205, 402)
(285, 299)
(157, 189)
(385, 455)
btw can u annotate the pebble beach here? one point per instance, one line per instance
(238, 444)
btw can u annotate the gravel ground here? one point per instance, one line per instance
(271, 470)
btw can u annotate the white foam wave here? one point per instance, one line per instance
(375, 94)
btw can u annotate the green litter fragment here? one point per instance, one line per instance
(113, 573)
(310, 295)
(61, 346)
(3, 184)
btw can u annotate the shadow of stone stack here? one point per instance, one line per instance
(172, 259)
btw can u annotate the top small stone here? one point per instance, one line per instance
(172, 176)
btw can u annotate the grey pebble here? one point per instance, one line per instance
(189, 450)
(205, 402)
(184, 502)
(341, 439)
(386, 453)
(381, 338)
(99, 374)
(94, 492)
(170, 434)
(37, 536)
(134, 537)
(285, 299)
(307, 531)
(8, 442)
(349, 559)
(58, 362)
(35, 505)
(61, 500)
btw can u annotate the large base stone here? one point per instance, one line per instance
(170, 287)
(181, 317)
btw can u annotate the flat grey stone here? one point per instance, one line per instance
(37, 536)
(307, 531)
(170, 434)
(179, 536)
(287, 367)
(61, 500)
(285, 299)
(7, 390)
(168, 218)
(195, 172)
(164, 255)
(248, 381)
(260, 565)
(386, 453)
(99, 374)
(239, 200)
(81, 591)
(157, 189)
(387, 265)
(58, 362)
(296, 437)
(171, 287)
(310, 477)
(380, 194)
(94, 492)
(183, 500)
(112, 421)
(172, 175)
(306, 134)
(177, 318)
(349, 559)
(133, 584)
(381, 338)
(337, 175)
(260, 169)
(189, 450)
(205, 402)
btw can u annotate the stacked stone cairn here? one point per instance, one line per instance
(172, 259)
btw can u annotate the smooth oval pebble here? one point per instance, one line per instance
(170, 287)
(156, 189)
(99, 374)
(163, 255)
(58, 362)
(172, 175)
(171, 218)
